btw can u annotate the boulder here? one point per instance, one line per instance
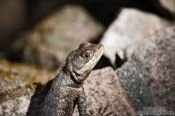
(130, 27)
(105, 95)
(17, 102)
(148, 76)
(51, 40)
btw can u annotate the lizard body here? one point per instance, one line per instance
(66, 89)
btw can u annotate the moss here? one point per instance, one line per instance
(17, 92)
(6, 75)
(17, 79)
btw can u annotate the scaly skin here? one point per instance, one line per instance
(66, 89)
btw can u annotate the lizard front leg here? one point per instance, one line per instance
(82, 105)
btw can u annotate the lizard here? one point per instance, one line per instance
(66, 89)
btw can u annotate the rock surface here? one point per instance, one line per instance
(16, 86)
(50, 41)
(17, 106)
(105, 96)
(152, 66)
(130, 27)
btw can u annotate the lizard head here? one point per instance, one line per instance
(81, 61)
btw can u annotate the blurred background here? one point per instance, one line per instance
(44, 32)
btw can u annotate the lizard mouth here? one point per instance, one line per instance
(77, 78)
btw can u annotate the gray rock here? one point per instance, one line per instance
(105, 96)
(15, 107)
(49, 42)
(149, 76)
(16, 86)
(130, 27)
(132, 79)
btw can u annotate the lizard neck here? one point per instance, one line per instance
(72, 76)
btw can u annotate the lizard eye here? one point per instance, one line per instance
(86, 54)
